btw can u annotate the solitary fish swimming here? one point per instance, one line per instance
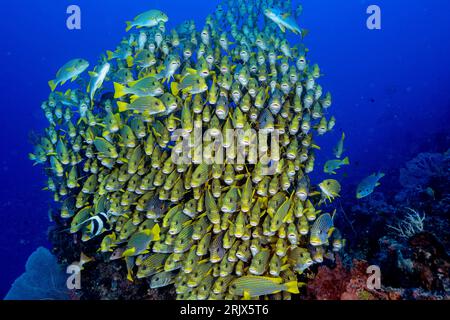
(332, 165)
(339, 148)
(147, 19)
(283, 20)
(70, 71)
(97, 78)
(367, 185)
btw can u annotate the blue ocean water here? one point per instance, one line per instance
(389, 86)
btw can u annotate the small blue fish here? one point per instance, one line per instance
(367, 185)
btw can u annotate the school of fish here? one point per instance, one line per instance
(215, 231)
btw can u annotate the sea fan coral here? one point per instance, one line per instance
(44, 279)
(421, 169)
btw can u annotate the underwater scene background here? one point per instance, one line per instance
(390, 97)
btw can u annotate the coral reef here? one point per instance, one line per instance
(409, 244)
(423, 277)
(419, 171)
(425, 181)
(341, 283)
(410, 225)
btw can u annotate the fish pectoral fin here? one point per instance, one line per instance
(287, 217)
(246, 295)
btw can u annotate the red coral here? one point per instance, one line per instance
(329, 283)
(356, 287)
(341, 284)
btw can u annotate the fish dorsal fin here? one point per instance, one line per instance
(330, 232)
(333, 215)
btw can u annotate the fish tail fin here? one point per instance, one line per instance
(343, 135)
(119, 90)
(129, 26)
(155, 231)
(123, 106)
(292, 287)
(110, 54)
(346, 161)
(52, 85)
(85, 258)
(130, 61)
(82, 119)
(129, 276)
(304, 32)
(175, 88)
